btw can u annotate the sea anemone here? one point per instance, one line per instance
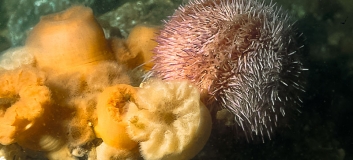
(67, 41)
(23, 101)
(242, 55)
(169, 120)
(75, 98)
(137, 49)
(111, 109)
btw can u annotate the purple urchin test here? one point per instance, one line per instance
(243, 55)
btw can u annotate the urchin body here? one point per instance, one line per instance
(242, 54)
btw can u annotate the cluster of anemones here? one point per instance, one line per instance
(69, 86)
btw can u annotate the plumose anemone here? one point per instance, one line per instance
(64, 95)
(242, 54)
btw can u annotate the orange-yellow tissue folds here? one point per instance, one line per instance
(67, 41)
(111, 109)
(23, 101)
(71, 52)
(138, 48)
(79, 87)
(71, 47)
(168, 120)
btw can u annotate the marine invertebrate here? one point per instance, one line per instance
(71, 48)
(76, 98)
(137, 49)
(242, 55)
(107, 73)
(23, 100)
(72, 40)
(111, 109)
(169, 120)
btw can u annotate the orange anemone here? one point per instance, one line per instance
(111, 109)
(68, 41)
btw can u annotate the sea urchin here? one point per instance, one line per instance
(242, 54)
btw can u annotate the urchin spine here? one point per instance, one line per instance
(242, 54)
